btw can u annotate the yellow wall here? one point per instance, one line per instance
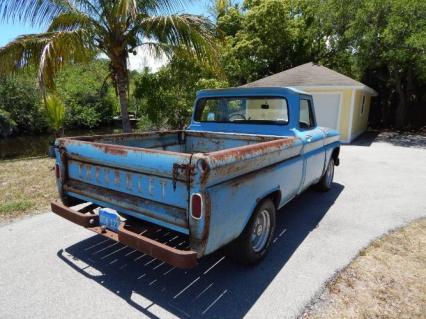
(360, 121)
(345, 106)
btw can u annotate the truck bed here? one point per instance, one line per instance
(150, 176)
(188, 142)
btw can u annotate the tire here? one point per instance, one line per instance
(254, 242)
(326, 180)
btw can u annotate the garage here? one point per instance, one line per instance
(327, 109)
(340, 102)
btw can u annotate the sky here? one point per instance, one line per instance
(9, 31)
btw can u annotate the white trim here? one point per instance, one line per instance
(362, 87)
(340, 104)
(351, 115)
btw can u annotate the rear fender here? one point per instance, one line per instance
(274, 194)
(233, 202)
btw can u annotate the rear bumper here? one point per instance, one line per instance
(130, 234)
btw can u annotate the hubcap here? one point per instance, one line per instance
(261, 229)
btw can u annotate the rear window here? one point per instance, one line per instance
(265, 110)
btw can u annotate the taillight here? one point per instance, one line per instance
(57, 171)
(196, 207)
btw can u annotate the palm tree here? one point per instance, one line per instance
(78, 30)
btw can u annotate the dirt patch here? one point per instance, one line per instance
(386, 280)
(26, 186)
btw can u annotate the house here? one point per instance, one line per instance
(340, 102)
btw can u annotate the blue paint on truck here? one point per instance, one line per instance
(210, 182)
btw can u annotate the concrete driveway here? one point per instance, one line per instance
(52, 268)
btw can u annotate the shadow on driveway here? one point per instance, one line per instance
(404, 139)
(217, 287)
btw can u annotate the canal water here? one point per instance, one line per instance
(33, 146)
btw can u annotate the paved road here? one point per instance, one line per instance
(51, 268)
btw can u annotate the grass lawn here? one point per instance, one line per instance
(26, 186)
(386, 280)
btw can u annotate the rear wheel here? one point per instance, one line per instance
(252, 245)
(326, 180)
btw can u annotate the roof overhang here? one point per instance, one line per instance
(364, 88)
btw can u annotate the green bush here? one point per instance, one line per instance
(20, 99)
(88, 99)
(7, 125)
(89, 111)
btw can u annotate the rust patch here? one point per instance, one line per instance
(130, 202)
(111, 149)
(119, 136)
(97, 174)
(204, 174)
(239, 153)
(117, 177)
(207, 214)
(200, 244)
(129, 184)
(106, 175)
(88, 170)
(80, 170)
(129, 233)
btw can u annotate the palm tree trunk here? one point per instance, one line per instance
(121, 74)
(122, 86)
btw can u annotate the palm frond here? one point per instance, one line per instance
(195, 33)
(126, 8)
(36, 12)
(68, 21)
(162, 7)
(55, 111)
(157, 50)
(48, 51)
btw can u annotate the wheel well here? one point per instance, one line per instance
(275, 196)
(335, 155)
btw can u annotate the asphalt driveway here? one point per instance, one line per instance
(52, 268)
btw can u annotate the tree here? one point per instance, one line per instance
(389, 38)
(167, 96)
(266, 37)
(79, 29)
(383, 44)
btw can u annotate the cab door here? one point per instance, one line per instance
(313, 140)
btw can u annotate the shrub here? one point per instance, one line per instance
(20, 98)
(7, 125)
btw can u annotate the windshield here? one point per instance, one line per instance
(265, 110)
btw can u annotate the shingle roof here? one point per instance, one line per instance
(308, 74)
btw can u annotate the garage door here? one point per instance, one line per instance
(327, 108)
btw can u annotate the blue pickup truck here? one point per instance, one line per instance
(180, 195)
